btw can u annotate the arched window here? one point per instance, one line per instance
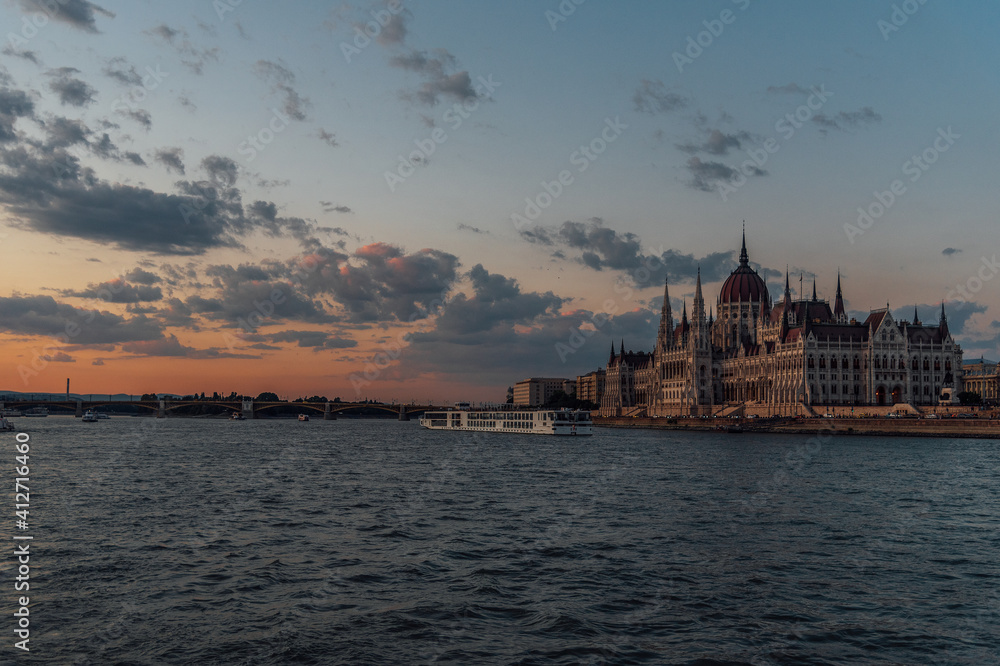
(833, 362)
(812, 361)
(822, 362)
(937, 363)
(878, 364)
(916, 363)
(927, 364)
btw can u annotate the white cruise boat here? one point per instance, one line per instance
(524, 421)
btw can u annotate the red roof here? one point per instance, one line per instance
(743, 285)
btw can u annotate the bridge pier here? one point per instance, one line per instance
(403, 416)
(328, 415)
(79, 408)
(248, 409)
(161, 411)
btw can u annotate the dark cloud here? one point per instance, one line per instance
(599, 248)
(30, 56)
(330, 207)
(62, 132)
(119, 69)
(282, 81)
(958, 313)
(140, 116)
(706, 176)
(59, 357)
(948, 251)
(172, 347)
(192, 57)
(847, 119)
(135, 158)
(394, 32)
(462, 226)
(717, 143)
(526, 334)
(313, 339)
(140, 276)
(328, 138)
(43, 315)
(172, 158)
(71, 90)
(436, 68)
(653, 97)
(118, 291)
(221, 170)
(80, 14)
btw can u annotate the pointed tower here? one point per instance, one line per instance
(698, 307)
(787, 303)
(916, 316)
(839, 314)
(665, 335)
(611, 357)
(814, 289)
(943, 324)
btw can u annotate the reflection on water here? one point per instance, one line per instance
(373, 542)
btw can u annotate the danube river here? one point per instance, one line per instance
(182, 541)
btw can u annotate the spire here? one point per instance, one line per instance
(665, 334)
(684, 317)
(611, 358)
(623, 346)
(697, 289)
(814, 288)
(838, 306)
(916, 316)
(744, 257)
(943, 325)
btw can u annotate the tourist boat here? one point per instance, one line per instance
(303, 417)
(569, 422)
(90, 417)
(5, 424)
(237, 416)
(10, 412)
(37, 411)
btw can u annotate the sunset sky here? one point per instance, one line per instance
(249, 196)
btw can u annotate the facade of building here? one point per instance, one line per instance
(983, 377)
(785, 356)
(590, 387)
(536, 391)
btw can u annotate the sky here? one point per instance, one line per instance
(430, 201)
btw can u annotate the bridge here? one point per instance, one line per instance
(250, 409)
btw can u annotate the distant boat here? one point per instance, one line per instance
(303, 417)
(10, 412)
(90, 417)
(573, 422)
(37, 411)
(102, 415)
(5, 424)
(237, 416)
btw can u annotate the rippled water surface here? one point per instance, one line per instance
(179, 541)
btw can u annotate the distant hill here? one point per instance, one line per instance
(19, 396)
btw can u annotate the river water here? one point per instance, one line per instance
(183, 541)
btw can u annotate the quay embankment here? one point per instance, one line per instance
(882, 427)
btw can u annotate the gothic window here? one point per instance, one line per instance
(947, 365)
(857, 363)
(937, 364)
(812, 361)
(916, 364)
(833, 362)
(878, 365)
(822, 361)
(927, 364)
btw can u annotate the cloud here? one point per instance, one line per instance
(313, 339)
(79, 14)
(193, 57)
(140, 116)
(30, 56)
(43, 315)
(328, 138)
(706, 176)
(118, 69)
(59, 357)
(717, 143)
(172, 158)
(71, 90)
(282, 80)
(847, 119)
(329, 207)
(118, 291)
(14, 104)
(462, 226)
(172, 347)
(436, 68)
(653, 97)
(948, 251)
(599, 247)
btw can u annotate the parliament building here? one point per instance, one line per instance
(783, 358)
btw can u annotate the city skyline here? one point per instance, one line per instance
(465, 196)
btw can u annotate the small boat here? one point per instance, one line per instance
(303, 417)
(10, 412)
(237, 416)
(102, 415)
(37, 412)
(5, 424)
(90, 417)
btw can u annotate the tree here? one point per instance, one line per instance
(970, 398)
(267, 396)
(149, 396)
